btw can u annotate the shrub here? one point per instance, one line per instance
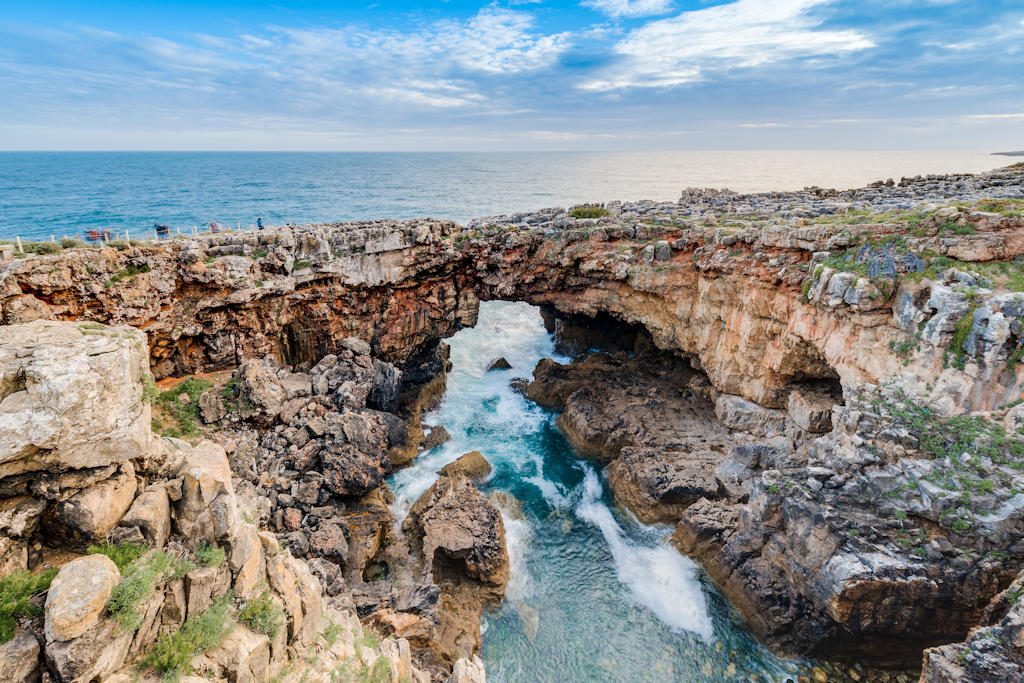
(210, 555)
(259, 253)
(72, 243)
(122, 554)
(129, 272)
(137, 581)
(186, 414)
(589, 212)
(16, 593)
(262, 614)
(173, 652)
(301, 265)
(41, 248)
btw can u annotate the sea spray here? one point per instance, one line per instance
(658, 576)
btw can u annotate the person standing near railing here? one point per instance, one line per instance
(259, 222)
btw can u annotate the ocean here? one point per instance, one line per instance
(69, 193)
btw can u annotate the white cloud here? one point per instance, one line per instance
(743, 34)
(629, 8)
(989, 117)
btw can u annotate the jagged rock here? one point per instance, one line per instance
(657, 486)
(355, 456)
(151, 514)
(19, 520)
(472, 465)
(72, 396)
(810, 411)
(356, 346)
(260, 390)
(386, 381)
(207, 509)
(246, 559)
(737, 412)
(468, 671)
(460, 538)
(499, 364)
(435, 437)
(78, 596)
(243, 657)
(203, 586)
(329, 541)
(19, 659)
(211, 406)
(87, 516)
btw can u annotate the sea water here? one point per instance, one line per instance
(593, 595)
(70, 193)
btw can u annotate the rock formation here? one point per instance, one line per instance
(822, 399)
(188, 581)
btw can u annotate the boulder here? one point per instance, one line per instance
(19, 520)
(355, 454)
(211, 406)
(87, 516)
(260, 390)
(71, 396)
(207, 509)
(246, 560)
(435, 437)
(19, 659)
(242, 657)
(329, 541)
(472, 465)
(203, 586)
(468, 671)
(151, 515)
(356, 346)
(453, 520)
(499, 364)
(810, 411)
(78, 596)
(737, 412)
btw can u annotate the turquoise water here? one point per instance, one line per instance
(69, 193)
(594, 595)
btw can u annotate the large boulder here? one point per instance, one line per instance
(355, 453)
(472, 465)
(207, 509)
(78, 596)
(71, 396)
(150, 514)
(87, 516)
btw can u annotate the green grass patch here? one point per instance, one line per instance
(185, 414)
(258, 254)
(262, 614)
(301, 265)
(16, 592)
(122, 554)
(589, 212)
(210, 555)
(138, 579)
(173, 652)
(128, 273)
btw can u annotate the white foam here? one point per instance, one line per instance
(659, 577)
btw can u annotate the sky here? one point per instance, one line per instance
(512, 75)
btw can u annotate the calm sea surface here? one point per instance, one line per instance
(66, 193)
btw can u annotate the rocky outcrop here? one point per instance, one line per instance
(460, 537)
(833, 343)
(264, 611)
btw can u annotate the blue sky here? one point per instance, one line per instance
(513, 75)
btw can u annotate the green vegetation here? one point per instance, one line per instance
(173, 652)
(258, 254)
(72, 243)
(138, 578)
(122, 554)
(210, 555)
(773, 488)
(128, 273)
(301, 265)
(149, 390)
(262, 614)
(184, 413)
(16, 593)
(589, 212)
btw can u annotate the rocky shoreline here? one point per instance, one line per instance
(819, 390)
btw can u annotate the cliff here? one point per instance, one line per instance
(857, 352)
